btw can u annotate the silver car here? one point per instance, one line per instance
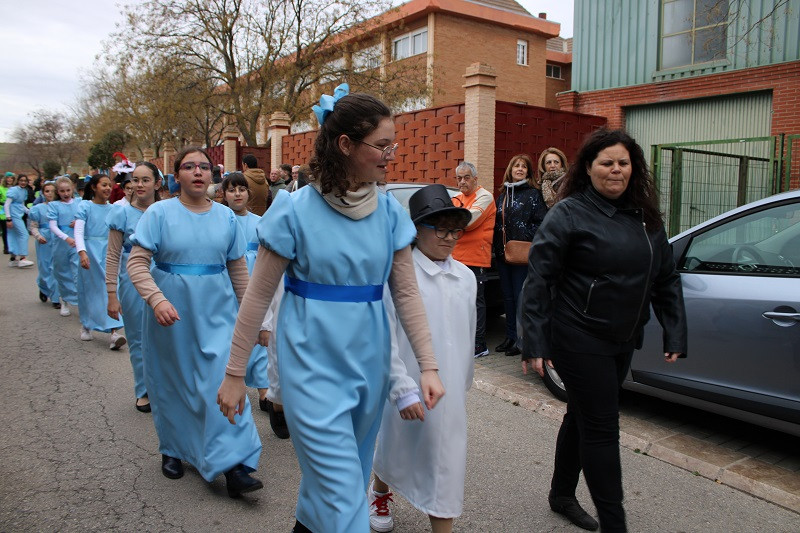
(741, 283)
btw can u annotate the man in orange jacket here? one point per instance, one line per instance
(474, 248)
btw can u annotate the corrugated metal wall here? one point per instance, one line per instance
(616, 42)
(710, 183)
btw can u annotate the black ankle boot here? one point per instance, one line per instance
(171, 467)
(505, 345)
(300, 528)
(238, 481)
(570, 508)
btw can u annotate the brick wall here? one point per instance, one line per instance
(431, 145)
(492, 45)
(782, 79)
(554, 86)
(522, 129)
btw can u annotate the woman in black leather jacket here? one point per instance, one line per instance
(520, 210)
(602, 258)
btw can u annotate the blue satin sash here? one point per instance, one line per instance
(252, 246)
(333, 293)
(190, 270)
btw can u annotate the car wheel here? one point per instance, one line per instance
(554, 384)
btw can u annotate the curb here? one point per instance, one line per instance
(724, 475)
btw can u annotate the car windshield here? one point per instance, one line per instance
(402, 194)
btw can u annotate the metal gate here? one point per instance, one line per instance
(700, 180)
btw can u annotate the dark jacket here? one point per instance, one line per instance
(524, 211)
(594, 270)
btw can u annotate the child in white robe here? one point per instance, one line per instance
(425, 462)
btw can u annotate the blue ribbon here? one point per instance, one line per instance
(326, 102)
(127, 248)
(190, 270)
(65, 228)
(252, 246)
(333, 293)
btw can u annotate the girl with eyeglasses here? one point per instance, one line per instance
(123, 300)
(61, 221)
(37, 226)
(199, 275)
(337, 241)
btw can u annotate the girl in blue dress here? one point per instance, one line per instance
(38, 227)
(122, 296)
(91, 240)
(338, 241)
(236, 194)
(17, 233)
(61, 221)
(199, 274)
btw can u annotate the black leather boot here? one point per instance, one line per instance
(171, 467)
(569, 507)
(238, 481)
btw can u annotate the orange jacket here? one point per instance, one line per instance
(474, 248)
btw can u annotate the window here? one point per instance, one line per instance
(553, 71)
(410, 44)
(522, 52)
(367, 58)
(766, 242)
(332, 70)
(693, 31)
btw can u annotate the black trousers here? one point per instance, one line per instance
(589, 436)
(480, 305)
(5, 236)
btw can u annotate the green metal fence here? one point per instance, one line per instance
(700, 180)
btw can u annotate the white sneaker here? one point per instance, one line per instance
(380, 515)
(117, 341)
(86, 335)
(12, 263)
(64, 309)
(24, 263)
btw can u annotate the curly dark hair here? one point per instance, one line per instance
(355, 115)
(641, 191)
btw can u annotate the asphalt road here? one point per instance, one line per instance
(77, 456)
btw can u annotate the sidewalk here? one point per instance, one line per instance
(767, 472)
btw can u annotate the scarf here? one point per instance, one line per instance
(355, 204)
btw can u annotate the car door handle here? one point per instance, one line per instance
(772, 315)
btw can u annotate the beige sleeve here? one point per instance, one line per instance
(115, 238)
(237, 270)
(410, 310)
(483, 200)
(33, 228)
(139, 272)
(266, 277)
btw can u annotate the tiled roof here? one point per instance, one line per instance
(506, 5)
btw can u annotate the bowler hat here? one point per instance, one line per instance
(433, 200)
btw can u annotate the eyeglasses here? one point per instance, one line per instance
(146, 181)
(442, 233)
(387, 152)
(205, 167)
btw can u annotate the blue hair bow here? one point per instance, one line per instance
(326, 102)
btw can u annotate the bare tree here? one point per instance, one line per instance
(49, 135)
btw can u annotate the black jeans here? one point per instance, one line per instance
(511, 279)
(480, 305)
(589, 434)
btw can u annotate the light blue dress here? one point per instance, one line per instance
(334, 355)
(92, 294)
(184, 363)
(18, 235)
(65, 257)
(124, 218)
(45, 279)
(256, 375)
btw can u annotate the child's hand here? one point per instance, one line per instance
(42, 240)
(71, 242)
(9, 224)
(114, 308)
(231, 397)
(413, 412)
(84, 260)
(263, 337)
(165, 313)
(432, 388)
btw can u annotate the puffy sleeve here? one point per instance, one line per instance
(148, 230)
(277, 229)
(403, 230)
(238, 241)
(52, 212)
(117, 218)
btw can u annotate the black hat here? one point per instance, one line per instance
(433, 199)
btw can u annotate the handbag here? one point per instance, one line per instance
(514, 252)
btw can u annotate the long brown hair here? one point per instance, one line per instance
(641, 191)
(530, 177)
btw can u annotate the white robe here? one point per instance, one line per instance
(425, 462)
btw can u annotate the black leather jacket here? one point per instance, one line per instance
(595, 267)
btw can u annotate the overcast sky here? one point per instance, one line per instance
(47, 44)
